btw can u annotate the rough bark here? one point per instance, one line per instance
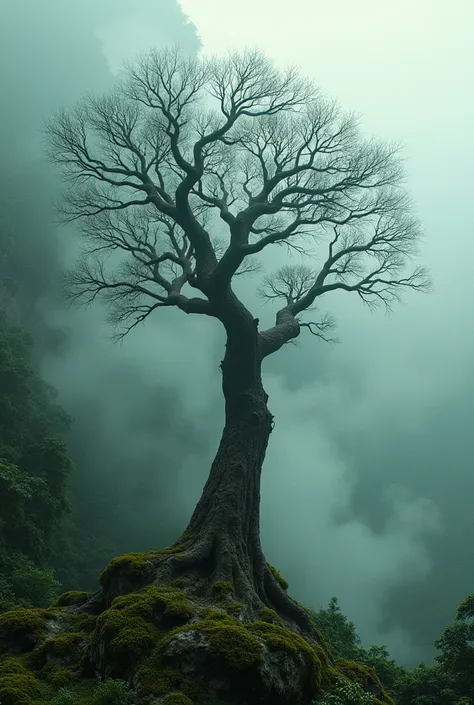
(222, 540)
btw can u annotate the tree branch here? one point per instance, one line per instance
(153, 173)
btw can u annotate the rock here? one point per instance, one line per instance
(279, 677)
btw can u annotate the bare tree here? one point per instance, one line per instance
(182, 151)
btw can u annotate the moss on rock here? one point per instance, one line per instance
(154, 680)
(268, 615)
(365, 676)
(65, 646)
(242, 646)
(72, 598)
(223, 588)
(229, 640)
(211, 613)
(134, 566)
(57, 676)
(178, 583)
(11, 664)
(21, 628)
(18, 686)
(83, 622)
(131, 624)
(316, 656)
(139, 636)
(131, 564)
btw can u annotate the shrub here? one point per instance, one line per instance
(64, 697)
(347, 694)
(113, 692)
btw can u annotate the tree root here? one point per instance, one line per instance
(214, 559)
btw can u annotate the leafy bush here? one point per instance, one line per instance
(26, 584)
(64, 697)
(347, 694)
(113, 692)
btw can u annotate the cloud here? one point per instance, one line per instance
(314, 538)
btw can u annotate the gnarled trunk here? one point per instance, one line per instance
(224, 530)
(227, 517)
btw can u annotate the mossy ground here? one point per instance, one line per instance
(44, 650)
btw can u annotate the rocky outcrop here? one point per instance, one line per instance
(171, 646)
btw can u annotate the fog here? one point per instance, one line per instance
(367, 483)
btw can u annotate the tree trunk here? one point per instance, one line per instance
(227, 517)
(223, 536)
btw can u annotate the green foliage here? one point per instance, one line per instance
(346, 693)
(65, 697)
(107, 692)
(388, 671)
(344, 642)
(34, 469)
(338, 631)
(113, 692)
(177, 698)
(27, 585)
(450, 681)
(425, 685)
(457, 647)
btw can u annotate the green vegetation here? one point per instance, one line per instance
(271, 616)
(223, 588)
(277, 575)
(34, 469)
(347, 694)
(73, 597)
(132, 620)
(17, 685)
(177, 699)
(113, 692)
(449, 681)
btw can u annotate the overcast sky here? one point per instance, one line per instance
(388, 445)
(368, 482)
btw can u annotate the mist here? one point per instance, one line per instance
(367, 482)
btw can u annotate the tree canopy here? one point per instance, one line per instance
(191, 168)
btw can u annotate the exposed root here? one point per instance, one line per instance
(283, 604)
(215, 559)
(212, 559)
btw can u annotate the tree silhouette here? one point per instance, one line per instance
(188, 170)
